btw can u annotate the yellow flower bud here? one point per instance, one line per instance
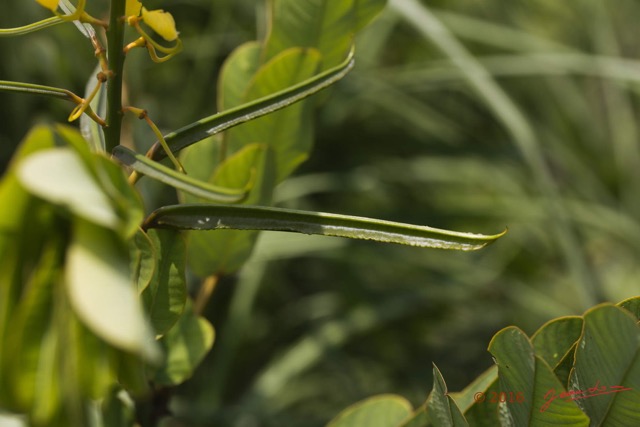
(52, 5)
(133, 8)
(161, 22)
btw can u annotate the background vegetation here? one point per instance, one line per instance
(536, 131)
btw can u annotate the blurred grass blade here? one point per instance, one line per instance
(34, 89)
(216, 217)
(520, 129)
(219, 122)
(157, 171)
(496, 34)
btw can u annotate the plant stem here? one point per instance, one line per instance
(204, 294)
(115, 55)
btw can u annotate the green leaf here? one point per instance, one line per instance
(143, 260)
(86, 361)
(465, 398)
(201, 161)
(287, 132)
(441, 408)
(418, 419)
(132, 374)
(521, 371)
(186, 344)
(226, 250)
(180, 181)
(118, 409)
(165, 297)
(87, 184)
(29, 334)
(327, 25)
(49, 381)
(268, 71)
(57, 362)
(101, 293)
(21, 227)
(555, 339)
(112, 180)
(236, 75)
(484, 413)
(379, 411)
(565, 366)
(214, 217)
(366, 11)
(608, 356)
(12, 420)
(243, 166)
(217, 123)
(28, 268)
(59, 176)
(631, 304)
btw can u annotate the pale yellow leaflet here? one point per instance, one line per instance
(132, 8)
(161, 22)
(52, 5)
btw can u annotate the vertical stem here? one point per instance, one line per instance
(204, 295)
(115, 55)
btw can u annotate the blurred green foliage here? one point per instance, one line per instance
(313, 324)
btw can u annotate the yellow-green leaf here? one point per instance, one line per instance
(185, 344)
(385, 410)
(59, 176)
(101, 293)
